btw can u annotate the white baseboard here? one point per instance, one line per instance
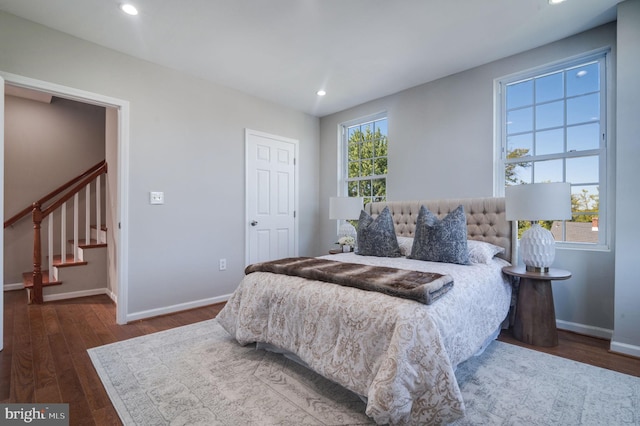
(625, 349)
(12, 287)
(70, 295)
(176, 308)
(111, 295)
(588, 330)
(75, 294)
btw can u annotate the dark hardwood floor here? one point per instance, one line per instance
(45, 356)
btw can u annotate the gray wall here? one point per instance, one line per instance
(45, 146)
(186, 139)
(627, 293)
(441, 145)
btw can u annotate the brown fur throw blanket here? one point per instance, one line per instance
(424, 287)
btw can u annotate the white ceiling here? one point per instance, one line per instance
(285, 50)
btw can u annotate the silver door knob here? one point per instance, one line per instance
(254, 222)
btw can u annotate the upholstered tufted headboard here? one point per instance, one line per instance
(485, 219)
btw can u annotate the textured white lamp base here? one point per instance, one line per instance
(347, 230)
(538, 248)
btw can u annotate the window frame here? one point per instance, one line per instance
(343, 152)
(603, 151)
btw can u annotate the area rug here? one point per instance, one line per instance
(198, 375)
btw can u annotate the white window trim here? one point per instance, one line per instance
(343, 148)
(606, 191)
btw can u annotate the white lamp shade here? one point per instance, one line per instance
(538, 201)
(534, 202)
(347, 208)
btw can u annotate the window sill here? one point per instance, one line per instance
(583, 247)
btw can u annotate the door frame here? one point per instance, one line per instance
(122, 106)
(247, 134)
(2, 210)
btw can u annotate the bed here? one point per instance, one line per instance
(398, 354)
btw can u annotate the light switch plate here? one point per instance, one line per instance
(156, 197)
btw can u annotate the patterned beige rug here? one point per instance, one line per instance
(198, 375)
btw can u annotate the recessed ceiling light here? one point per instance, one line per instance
(321, 93)
(556, 1)
(129, 9)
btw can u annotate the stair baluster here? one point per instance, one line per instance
(87, 219)
(63, 232)
(98, 211)
(50, 245)
(75, 229)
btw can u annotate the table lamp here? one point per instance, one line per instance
(345, 208)
(535, 202)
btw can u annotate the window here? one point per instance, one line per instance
(364, 158)
(553, 129)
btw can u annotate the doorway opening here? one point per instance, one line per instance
(116, 153)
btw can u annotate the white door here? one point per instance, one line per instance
(271, 190)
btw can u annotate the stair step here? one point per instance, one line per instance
(82, 243)
(69, 261)
(27, 279)
(99, 234)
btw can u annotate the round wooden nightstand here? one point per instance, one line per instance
(535, 321)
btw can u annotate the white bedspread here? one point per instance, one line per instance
(398, 353)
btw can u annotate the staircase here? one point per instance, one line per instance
(81, 264)
(80, 274)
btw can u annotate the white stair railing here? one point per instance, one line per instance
(63, 227)
(38, 214)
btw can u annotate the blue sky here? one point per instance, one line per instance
(538, 111)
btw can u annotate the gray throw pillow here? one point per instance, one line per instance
(377, 237)
(441, 240)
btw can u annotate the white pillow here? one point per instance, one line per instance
(482, 252)
(405, 244)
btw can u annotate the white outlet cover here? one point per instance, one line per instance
(156, 197)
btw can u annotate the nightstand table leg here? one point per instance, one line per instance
(535, 321)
